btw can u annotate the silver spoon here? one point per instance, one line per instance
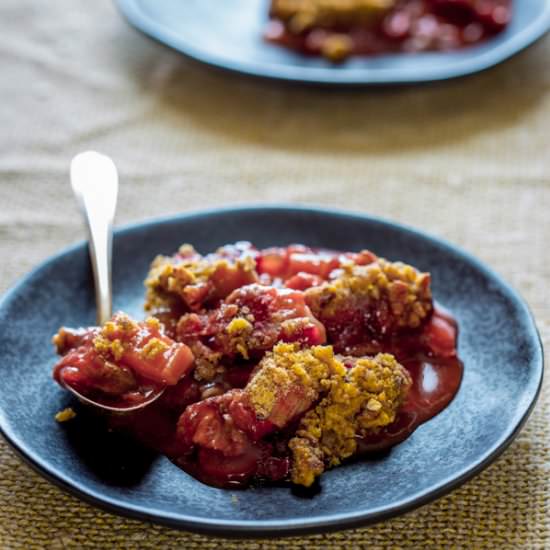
(94, 179)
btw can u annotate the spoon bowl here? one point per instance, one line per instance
(94, 180)
(111, 408)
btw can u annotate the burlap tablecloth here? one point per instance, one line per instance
(468, 160)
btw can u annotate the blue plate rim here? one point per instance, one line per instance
(325, 76)
(267, 528)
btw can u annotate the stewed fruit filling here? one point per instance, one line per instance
(271, 365)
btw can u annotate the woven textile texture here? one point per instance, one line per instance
(468, 160)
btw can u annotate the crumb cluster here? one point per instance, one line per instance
(193, 280)
(286, 370)
(384, 296)
(301, 15)
(357, 400)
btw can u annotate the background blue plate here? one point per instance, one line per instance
(228, 34)
(498, 343)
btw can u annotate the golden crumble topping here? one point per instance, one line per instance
(167, 278)
(154, 347)
(120, 324)
(153, 323)
(307, 461)
(109, 341)
(66, 339)
(104, 346)
(406, 290)
(207, 362)
(365, 397)
(65, 415)
(239, 329)
(337, 47)
(192, 278)
(239, 325)
(289, 367)
(302, 15)
(59, 340)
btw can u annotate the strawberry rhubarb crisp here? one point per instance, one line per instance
(271, 365)
(337, 29)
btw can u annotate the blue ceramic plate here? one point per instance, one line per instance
(228, 34)
(498, 343)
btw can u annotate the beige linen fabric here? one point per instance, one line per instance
(468, 160)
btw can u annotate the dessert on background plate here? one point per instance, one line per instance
(293, 40)
(338, 29)
(274, 365)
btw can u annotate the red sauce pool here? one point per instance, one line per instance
(435, 382)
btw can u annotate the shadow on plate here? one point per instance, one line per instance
(114, 457)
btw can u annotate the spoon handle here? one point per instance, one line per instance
(94, 180)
